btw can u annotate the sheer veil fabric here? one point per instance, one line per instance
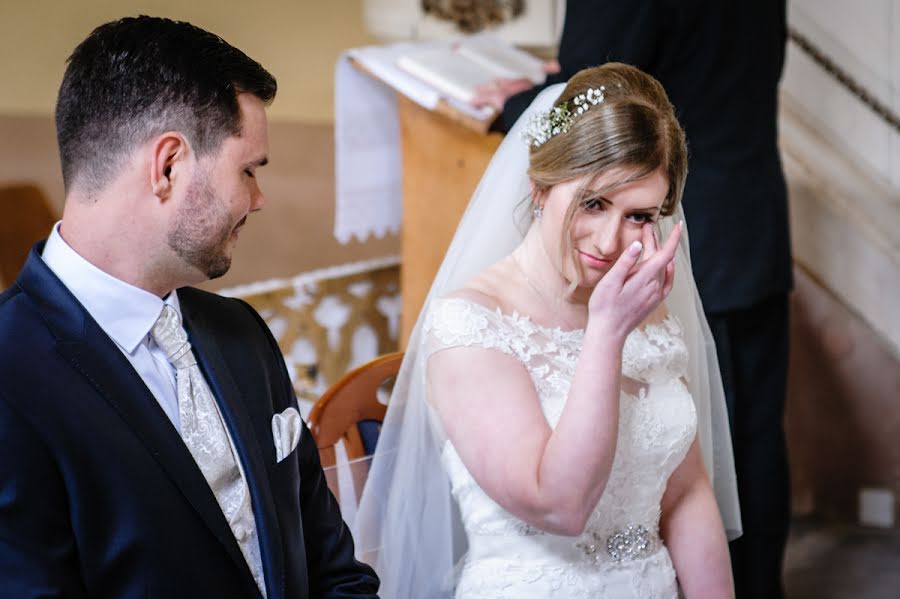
(408, 526)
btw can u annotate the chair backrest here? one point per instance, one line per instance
(337, 414)
(351, 400)
(27, 218)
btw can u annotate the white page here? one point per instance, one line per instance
(448, 71)
(502, 58)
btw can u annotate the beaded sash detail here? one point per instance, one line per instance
(634, 542)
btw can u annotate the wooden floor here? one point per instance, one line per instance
(842, 562)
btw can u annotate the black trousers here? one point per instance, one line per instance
(752, 346)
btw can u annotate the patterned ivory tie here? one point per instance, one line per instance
(203, 431)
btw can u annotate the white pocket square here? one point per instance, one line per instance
(286, 430)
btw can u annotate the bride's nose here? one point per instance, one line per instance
(606, 237)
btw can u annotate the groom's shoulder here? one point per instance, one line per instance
(13, 319)
(17, 312)
(192, 296)
(218, 309)
(233, 321)
(6, 297)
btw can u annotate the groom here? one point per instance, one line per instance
(149, 439)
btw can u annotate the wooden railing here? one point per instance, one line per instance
(844, 78)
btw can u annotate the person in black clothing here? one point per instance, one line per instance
(720, 62)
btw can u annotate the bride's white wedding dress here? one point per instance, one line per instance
(620, 554)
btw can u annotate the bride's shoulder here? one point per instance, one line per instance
(471, 295)
(477, 306)
(465, 317)
(465, 305)
(488, 289)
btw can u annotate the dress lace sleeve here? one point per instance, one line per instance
(454, 322)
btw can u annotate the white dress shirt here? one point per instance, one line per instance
(124, 312)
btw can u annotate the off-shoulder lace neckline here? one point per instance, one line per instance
(518, 319)
(557, 333)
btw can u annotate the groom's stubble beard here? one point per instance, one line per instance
(203, 230)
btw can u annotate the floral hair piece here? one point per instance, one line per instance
(559, 119)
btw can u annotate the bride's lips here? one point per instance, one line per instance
(593, 261)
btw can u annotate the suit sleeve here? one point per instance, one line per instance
(333, 570)
(37, 548)
(594, 32)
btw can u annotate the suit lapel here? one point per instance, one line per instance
(87, 348)
(234, 411)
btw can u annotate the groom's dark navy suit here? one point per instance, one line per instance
(100, 497)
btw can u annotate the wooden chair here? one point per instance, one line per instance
(351, 400)
(337, 414)
(27, 218)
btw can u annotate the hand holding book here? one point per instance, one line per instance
(495, 93)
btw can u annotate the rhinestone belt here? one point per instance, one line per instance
(635, 542)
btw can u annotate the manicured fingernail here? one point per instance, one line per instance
(635, 248)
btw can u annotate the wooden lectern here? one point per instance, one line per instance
(445, 152)
(444, 155)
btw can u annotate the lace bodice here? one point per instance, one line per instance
(657, 423)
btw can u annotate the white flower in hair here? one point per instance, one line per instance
(558, 119)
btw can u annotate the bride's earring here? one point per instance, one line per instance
(538, 212)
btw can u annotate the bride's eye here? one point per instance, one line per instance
(641, 218)
(592, 204)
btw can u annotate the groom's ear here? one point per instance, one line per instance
(168, 163)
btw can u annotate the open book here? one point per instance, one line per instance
(456, 70)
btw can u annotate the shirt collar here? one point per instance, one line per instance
(126, 313)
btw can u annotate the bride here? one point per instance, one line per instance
(557, 429)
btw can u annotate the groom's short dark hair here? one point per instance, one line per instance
(138, 77)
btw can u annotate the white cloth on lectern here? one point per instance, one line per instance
(366, 156)
(367, 159)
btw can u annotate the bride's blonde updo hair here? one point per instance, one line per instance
(634, 128)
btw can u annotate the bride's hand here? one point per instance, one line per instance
(631, 290)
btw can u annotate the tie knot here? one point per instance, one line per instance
(171, 337)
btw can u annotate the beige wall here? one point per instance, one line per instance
(297, 40)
